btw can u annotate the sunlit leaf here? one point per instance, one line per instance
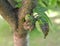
(38, 26)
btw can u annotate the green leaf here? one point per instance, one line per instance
(41, 13)
(30, 18)
(27, 17)
(52, 3)
(42, 27)
(46, 18)
(38, 26)
(40, 8)
(48, 3)
(18, 3)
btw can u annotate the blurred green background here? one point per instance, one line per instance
(36, 37)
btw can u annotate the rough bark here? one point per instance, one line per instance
(25, 9)
(16, 20)
(21, 41)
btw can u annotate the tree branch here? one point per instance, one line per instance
(6, 11)
(27, 6)
(12, 3)
(25, 9)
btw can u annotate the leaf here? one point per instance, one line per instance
(27, 17)
(42, 20)
(45, 29)
(18, 3)
(40, 10)
(48, 3)
(46, 18)
(58, 3)
(42, 28)
(30, 18)
(38, 26)
(52, 3)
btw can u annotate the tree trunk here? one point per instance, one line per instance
(19, 40)
(16, 20)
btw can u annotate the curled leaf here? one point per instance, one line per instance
(40, 25)
(45, 29)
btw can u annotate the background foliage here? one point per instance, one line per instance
(36, 37)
